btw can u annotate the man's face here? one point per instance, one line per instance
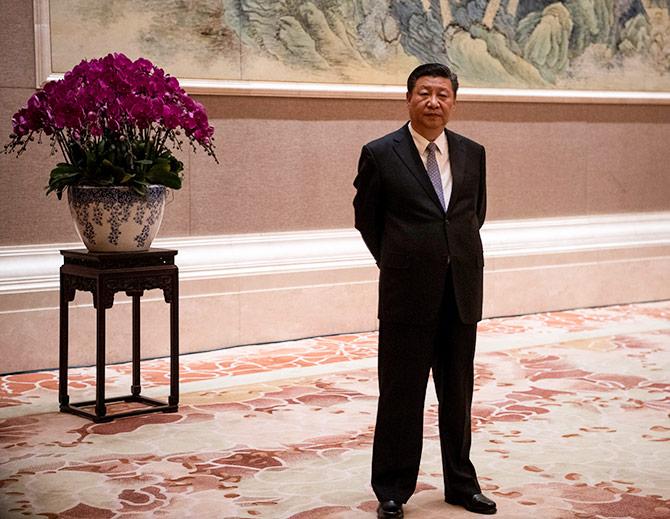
(430, 104)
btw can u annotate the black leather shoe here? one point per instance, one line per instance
(476, 503)
(389, 509)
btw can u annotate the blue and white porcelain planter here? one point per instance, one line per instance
(115, 218)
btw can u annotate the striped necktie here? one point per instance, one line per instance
(434, 173)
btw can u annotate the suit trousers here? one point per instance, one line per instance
(407, 353)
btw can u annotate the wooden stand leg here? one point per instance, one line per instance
(173, 399)
(136, 388)
(100, 408)
(63, 398)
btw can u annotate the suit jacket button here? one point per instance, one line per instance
(446, 220)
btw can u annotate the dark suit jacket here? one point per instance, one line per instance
(411, 238)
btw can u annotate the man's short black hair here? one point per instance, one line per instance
(432, 69)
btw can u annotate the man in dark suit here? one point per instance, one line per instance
(420, 202)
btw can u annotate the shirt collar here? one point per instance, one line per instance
(421, 142)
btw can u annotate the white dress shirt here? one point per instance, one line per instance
(441, 155)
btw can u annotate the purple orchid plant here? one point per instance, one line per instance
(116, 122)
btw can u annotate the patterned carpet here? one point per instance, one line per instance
(570, 421)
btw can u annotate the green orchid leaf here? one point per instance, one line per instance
(168, 179)
(161, 165)
(139, 186)
(175, 165)
(108, 169)
(62, 176)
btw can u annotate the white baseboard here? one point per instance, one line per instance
(33, 268)
(505, 238)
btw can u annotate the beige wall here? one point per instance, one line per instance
(287, 164)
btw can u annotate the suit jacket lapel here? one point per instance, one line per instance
(457, 163)
(406, 149)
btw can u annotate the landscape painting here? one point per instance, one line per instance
(595, 45)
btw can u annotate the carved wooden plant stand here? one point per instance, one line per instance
(103, 274)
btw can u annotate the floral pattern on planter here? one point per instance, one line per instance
(116, 219)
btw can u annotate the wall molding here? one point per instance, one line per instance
(32, 268)
(505, 238)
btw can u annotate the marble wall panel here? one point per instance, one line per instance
(17, 41)
(27, 216)
(285, 164)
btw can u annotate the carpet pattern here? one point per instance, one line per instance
(570, 420)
